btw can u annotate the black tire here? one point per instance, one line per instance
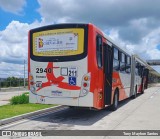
(142, 89)
(71, 107)
(135, 93)
(114, 106)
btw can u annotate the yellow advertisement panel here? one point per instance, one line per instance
(58, 42)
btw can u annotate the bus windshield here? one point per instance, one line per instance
(64, 43)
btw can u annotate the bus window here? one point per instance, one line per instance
(122, 63)
(115, 53)
(58, 43)
(99, 50)
(116, 60)
(128, 64)
(136, 69)
(123, 57)
(141, 70)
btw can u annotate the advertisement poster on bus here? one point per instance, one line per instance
(58, 42)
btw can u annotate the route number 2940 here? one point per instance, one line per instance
(41, 70)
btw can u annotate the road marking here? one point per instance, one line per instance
(151, 97)
(158, 91)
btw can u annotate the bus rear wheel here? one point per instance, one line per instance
(71, 107)
(142, 89)
(135, 93)
(115, 101)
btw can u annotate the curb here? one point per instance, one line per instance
(27, 115)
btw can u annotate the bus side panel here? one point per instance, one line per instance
(119, 82)
(96, 73)
(126, 83)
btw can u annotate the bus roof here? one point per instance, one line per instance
(59, 25)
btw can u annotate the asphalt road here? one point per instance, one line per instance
(142, 113)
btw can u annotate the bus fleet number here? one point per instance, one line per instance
(72, 73)
(41, 70)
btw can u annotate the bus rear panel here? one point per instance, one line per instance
(58, 65)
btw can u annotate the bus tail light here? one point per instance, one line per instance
(86, 78)
(84, 84)
(31, 80)
(30, 77)
(85, 87)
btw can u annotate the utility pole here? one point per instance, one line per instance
(24, 75)
(0, 84)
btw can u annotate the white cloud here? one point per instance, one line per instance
(14, 47)
(13, 6)
(12, 69)
(102, 12)
(14, 41)
(132, 24)
(146, 48)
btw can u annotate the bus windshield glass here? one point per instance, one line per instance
(58, 42)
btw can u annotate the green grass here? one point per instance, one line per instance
(21, 99)
(8, 111)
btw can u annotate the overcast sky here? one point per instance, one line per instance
(134, 24)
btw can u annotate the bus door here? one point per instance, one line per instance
(108, 68)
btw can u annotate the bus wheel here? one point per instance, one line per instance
(71, 107)
(135, 93)
(115, 101)
(142, 89)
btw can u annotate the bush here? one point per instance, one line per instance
(21, 99)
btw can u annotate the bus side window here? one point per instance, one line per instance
(116, 60)
(128, 64)
(136, 68)
(122, 63)
(141, 67)
(139, 70)
(99, 50)
(142, 71)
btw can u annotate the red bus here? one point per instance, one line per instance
(78, 65)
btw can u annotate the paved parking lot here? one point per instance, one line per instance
(142, 113)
